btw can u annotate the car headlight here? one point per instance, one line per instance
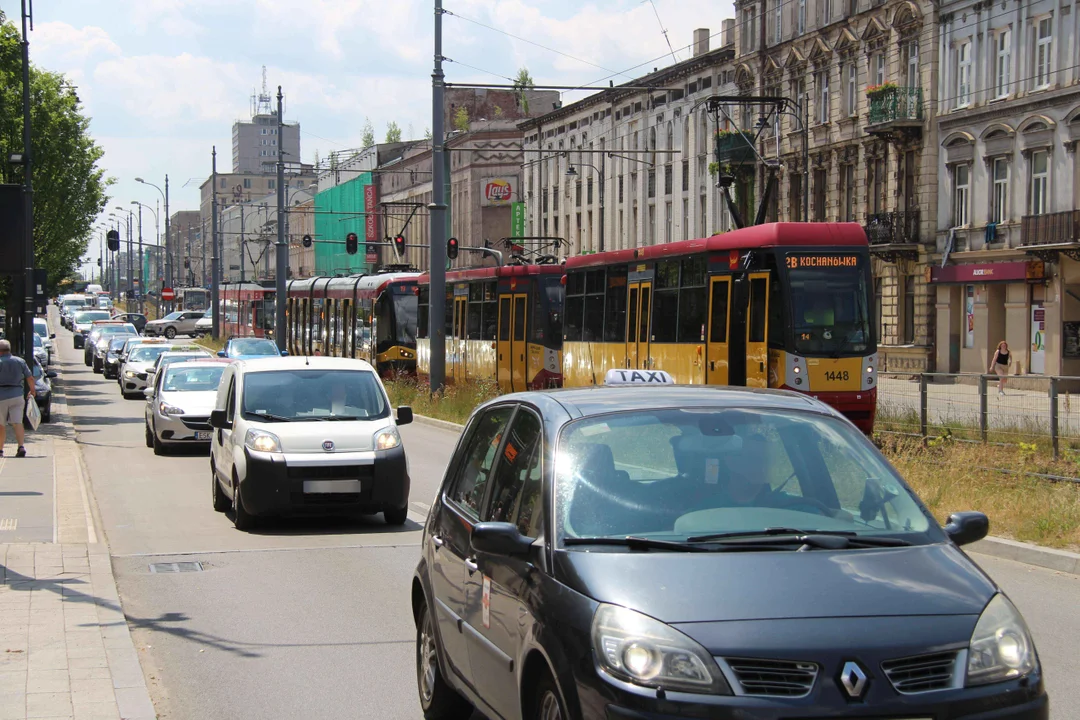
(645, 651)
(129, 373)
(167, 409)
(262, 441)
(387, 439)
(1001, 646)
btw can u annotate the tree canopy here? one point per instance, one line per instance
(69, 186)
(368, 137)
(393, 132)
(523, 81)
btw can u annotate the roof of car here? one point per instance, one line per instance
(208, 362)
(300, 362)
(597, 400)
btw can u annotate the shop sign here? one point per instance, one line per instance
(498, 191)
(1030, 271)
(371, 217)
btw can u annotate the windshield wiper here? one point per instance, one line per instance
(268, 416)
(332, 418)
(766, 532)
(824, 539)
(640, 543)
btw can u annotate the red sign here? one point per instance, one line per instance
(988, 272)
(371, 218)
(371, 257)
(498, 191)
(167, 294)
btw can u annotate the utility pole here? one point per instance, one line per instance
(168, 243)
(282, 271)
(437, 252)
(215, 259)
(142, 285)
(130, 265)
(28, 199)
(243, 243)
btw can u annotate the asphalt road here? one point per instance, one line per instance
(311, 618)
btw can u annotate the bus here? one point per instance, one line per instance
(193, 299)
(369, 317)
(247, 310)
(780, 305)
(502, 324)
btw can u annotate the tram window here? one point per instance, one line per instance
(692, 314)
(519, 318)
(592, 329)
(667, 310)
(643, 317)
(667, 276)
(476, 292)
(632, 334)
(615, 306)
(776, 322)
(718, 330)
(575, 307)
(475, 319)
(449, 307)
(693, 272)
(422, 313)
(757, 309)
(594, 282)
(575, 283)
(490, 320)
(504, 318)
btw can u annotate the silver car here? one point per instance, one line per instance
(82, 322)
(181, 322)
(41, 327)
(178, 405)
(167, 358)
(135, 371)
(40, 353)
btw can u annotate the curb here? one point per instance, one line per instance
(1027, 553)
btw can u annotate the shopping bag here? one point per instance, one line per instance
(33, 414)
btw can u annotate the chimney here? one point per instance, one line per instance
(701, 41)
(727, 32)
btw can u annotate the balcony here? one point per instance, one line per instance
(895, 110)
(735, 147)
(1049, 234)
(893, 234)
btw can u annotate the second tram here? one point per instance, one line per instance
(247, 310)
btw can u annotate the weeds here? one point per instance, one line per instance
(455, 403)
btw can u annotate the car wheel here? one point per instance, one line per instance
(149, 436)
(438, 700)
(221, 500)
(547, 705)
(396, 516)
(242, 519)
(87, 360)
(170, 332)
(159, 447)
(98, 367)
(46, 412)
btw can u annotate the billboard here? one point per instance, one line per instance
(371, 218)
(499, 191)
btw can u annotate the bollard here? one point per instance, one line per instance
(982, 406)
(1054, 415)
(922, 404)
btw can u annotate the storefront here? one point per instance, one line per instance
(981, 304)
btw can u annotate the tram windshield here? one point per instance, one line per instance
(829, 304)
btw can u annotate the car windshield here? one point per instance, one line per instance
(311, 394)
(115, 330)
(38, 342)
(685, 473)
(37, 371)
(173, 316)
(116, 344)
(167, 359)
(90, 316)
(41, 329)
(252, 346)
(146, 354)
(192, 379)
(72, 304)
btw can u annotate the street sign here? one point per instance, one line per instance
(517, 219)
(167, 294)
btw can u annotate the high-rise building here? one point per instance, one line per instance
(257, 144)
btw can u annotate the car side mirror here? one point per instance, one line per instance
(52, 337)
(219, 420)
(284, 353)
(500, 538)
(221, 353)
(967, 527)
(404, 415)
(51, 374)
(148, 393)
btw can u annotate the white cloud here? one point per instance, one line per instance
(58, 43)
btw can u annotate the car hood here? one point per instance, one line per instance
(159, 322)
(192, 403)
(139, 367)
(309, 436)
(706, 587)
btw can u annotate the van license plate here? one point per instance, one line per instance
(331, 486)
(205, 435)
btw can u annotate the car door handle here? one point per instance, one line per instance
(471, 565)
(761, 366)
(437, 541)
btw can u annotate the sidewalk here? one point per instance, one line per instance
(65, 647)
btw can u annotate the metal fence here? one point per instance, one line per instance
(1033, 408)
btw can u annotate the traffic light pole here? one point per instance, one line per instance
(437, 251)
(215, 261)
(280, 275)
(28, 202)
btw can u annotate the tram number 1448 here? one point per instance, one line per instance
(836, 375)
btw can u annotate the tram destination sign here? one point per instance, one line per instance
(822, 260)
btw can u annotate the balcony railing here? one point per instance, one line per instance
(737, 147)
(898, 104)
(893, 228)
(1050, 229)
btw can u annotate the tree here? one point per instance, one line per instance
(369, 134)
(461, 119)
(427, 133)
(393, 132)
(522, 82)
(69, 186)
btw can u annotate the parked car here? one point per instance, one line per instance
(171, 356)
(250, 347)
(81, 323)
(69, 306)
(135, 371)
(179, 402)
(97, 341)
(137, 319)
(43, 387)
(204, 325)
(41, 328)
(111, 365)
(307, 435)
(181, 322)
(41, 355)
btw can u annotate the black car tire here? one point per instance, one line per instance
(547, 704)
(221, 500)
(396, 516)
(149, 436)
(170, 332)
(159, 447)
(438, 700)
(46, 412)
(99, 367)
(242, 519)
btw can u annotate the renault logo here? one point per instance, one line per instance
(853, 680)
(328, 445)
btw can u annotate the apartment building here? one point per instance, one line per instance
(257, 144)
(1009, 224)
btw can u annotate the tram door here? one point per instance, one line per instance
(638, 307)
(460, 334)
(511, 345)
(757, 327)
(716, 371)
(348, 317)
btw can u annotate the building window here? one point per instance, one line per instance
(685, 219)
(822, 81)
(651, 185)
(667, 222)
(826, 11)
(909, 310)
(877, 306)
(800, 20)
(669, 179)
(1040, 178)
(247, 184)
(685, 175)
(877, 67)
(1000, 208)
(748, 29)
(1043, 41)
(963, 75)
(820, 180)
(961, 187)
(847, 178)
(1003, 63)
(778, 22)
(851, 88)
(913, 64)
(272, 184)
(651, 238)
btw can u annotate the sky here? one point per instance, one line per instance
(164, 80)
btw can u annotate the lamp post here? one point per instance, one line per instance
(130, 257)
(168, 234)
(142, 261)
(571, 172)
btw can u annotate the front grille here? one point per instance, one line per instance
(196, 423)
(331, 472)
(773, 678)
(923, 673)
(141, 376)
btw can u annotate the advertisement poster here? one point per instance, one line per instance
(969, 317)
(1038, 337)
(498, 191)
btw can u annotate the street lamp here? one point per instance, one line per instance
(572, 172)
(130, 256)
(168, 234)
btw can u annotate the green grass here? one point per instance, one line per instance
(454, 404)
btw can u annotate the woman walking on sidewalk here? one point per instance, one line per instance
(1000, 365)
(13, 373)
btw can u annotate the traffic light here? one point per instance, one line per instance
(113, 239)
(99, 262)
(399, 246)
(451, 249)
(351, 244)
(306, 242)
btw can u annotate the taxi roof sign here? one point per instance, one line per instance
(617, 376)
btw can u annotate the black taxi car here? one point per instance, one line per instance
(653, 553)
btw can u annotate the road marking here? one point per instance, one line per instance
(184, 553)
(8, 524)
(80, 471)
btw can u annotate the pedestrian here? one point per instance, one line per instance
(13, 373)
(1000, 365)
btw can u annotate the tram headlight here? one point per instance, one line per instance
(869, 369)
(797, 370)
